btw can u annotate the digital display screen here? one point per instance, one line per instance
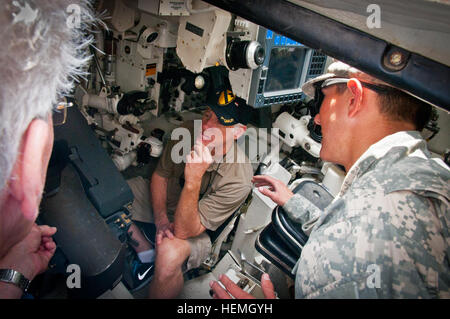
(285, 68)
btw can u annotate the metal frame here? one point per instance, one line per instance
(423, 77)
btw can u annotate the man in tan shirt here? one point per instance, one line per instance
(193, 196)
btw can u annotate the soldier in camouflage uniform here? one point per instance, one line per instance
(385, 235)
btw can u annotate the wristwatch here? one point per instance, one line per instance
(14, 277)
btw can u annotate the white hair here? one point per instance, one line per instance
(43, 50)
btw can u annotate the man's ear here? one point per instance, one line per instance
(356, 91)
(28, 176)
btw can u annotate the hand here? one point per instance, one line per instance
(233, 290)
(197, 162)
(164, 229)
(30, 256)
(277, 191)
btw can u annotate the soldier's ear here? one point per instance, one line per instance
(355, 99)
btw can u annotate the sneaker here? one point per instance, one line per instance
(139, 274)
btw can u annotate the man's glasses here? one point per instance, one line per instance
(59, 114)
(319, 96)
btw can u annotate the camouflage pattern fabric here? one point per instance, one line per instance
(386, 233)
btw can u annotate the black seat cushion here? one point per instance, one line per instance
(290, 230)
(274, 248)
(282, 241)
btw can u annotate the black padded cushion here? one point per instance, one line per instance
(282, 241)
(275, 249)
(290, 230)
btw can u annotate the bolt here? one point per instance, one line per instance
(307, 146)
(396, 58)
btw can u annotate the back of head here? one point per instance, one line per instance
(43, 50)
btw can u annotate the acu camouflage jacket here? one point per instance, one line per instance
(386, 233)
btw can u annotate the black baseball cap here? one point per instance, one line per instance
(228, 108)
(236, 111)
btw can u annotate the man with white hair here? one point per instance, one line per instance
(385, 235)
(42, 50)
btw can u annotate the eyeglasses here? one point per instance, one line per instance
(379, 88)
(59, 114)
(319, 96)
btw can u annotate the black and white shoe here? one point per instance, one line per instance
(140, 274)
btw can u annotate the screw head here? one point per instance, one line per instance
(396, 58)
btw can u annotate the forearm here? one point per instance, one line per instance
(187, 219)
(302, 211)
(9, 291)
(158, 191)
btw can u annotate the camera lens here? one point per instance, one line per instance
(244, 54)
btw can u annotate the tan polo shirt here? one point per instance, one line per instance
(224, 187)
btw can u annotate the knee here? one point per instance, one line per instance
(171, 254)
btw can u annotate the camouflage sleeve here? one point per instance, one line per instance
(391, 246)
(302, 211)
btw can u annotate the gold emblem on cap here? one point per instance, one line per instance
(230, 97)
(226, 121)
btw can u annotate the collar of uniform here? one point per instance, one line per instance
(217, 167)
(221, 167)
(409, 139)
